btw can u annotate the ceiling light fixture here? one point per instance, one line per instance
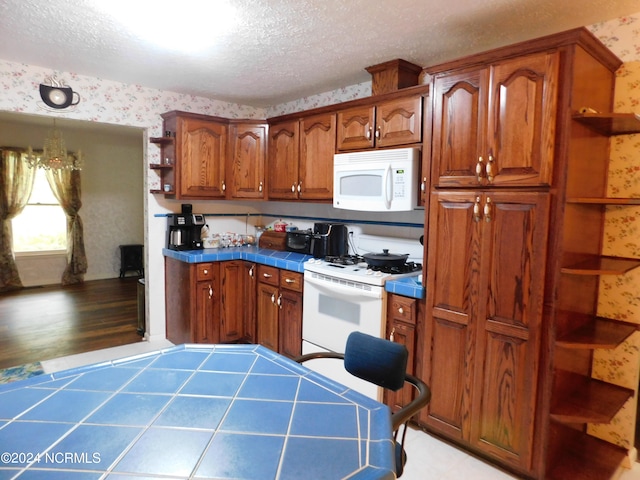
(54, 154)
(196, 25)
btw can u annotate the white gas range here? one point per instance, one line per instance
(342, 295)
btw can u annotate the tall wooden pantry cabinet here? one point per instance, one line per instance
(508, 159)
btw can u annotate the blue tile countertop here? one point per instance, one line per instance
(408, 286)
(192, 411)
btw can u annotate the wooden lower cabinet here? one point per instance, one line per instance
(402, 314)
(210, 302)
(279, 310)
(192, 301)
(483, 316)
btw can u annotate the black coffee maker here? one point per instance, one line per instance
(184, 229)
(329, 239)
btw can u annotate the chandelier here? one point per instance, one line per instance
(54, 154)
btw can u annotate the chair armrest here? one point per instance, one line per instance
(314, 355)
(409, 410)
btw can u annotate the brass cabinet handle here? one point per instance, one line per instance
(279, 301)
(479, 168)
(210, 291)
(251, 271)
(267, 275)
(476, 210)
(299, 186)
(273, 298)
(489, 169)
(368, 134)
(289, 280)
(378, 130)
(487, 210)
(293, 188)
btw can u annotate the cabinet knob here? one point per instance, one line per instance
(392, 334)
(423, 185)
(279, 301)
(289, 280)
(267, 275)
(487, 210)
(401, 310)
(273, 298)
(299, 186)
(368, 134)
(476, 210)
(260, 187)
(205, 271)
(479, 168)
(210, 291)
(251, 271)
(378, 130)
(293, 188)
(224, 187)
(489, 169)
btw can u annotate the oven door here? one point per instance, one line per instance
(334, 308)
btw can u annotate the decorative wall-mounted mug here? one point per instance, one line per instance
(56, 95)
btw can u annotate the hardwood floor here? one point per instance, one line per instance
(48, 322)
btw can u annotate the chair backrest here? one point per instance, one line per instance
(376, 360)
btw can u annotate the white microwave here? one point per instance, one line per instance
(376, 180)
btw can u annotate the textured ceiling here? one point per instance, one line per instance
(275, 50)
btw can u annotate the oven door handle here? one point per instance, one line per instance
(341, 290)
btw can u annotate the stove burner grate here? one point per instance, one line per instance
(408, 267)
(344, 259)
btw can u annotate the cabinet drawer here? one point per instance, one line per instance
(268, 275)
(402, 308)
(291, 280)
(204, 271)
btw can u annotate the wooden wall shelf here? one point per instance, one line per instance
(595, 332)
(610, 124)
(585, 457)
(604, 201)
(162, 140)
(592, 401)
(602, 265)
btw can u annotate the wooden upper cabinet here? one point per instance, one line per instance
(283, 158)
(300, 160)
(317, 147)
(496, 125)
(201, 153)
(387, 124)
(355, 128)
(248, 156)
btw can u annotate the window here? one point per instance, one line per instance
(42, 225)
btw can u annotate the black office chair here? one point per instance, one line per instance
(383, 363)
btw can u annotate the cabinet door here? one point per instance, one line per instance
(267, 315)
(248, 157)
(522, 120)
(249, 290)
(290, 304)
(283, 160)
(317, 147)
(231, 301)
(458, 133)
(451, 311)
(207, 318)
(399, 122)
(401, 328)
(355, 128)
(514, 240)
(203, 150)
